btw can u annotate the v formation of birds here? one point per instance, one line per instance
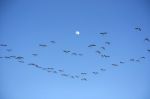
(83, 75)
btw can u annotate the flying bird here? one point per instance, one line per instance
(114, 64)
(147, 39)
(83, 73)
(84, 79)
(34, 54)
(95, 73)
(74, 53)
(91, 45)
(43, 45)
(103, 47)
(108, 43)
(138, 29)
(66, 51)
(103, 33)
(99, 52)
(53, 42)
(3, 45)
(8, 50)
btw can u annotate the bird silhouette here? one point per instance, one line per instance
(91, 45)
(103, 33)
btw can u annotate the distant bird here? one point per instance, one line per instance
(83, 73)
(147, 39)
(98, 52)
(21, 61)
(7, 57)
(114, 64)
(80, 54)
(84, 79)
(19, 57)
(76, 76)
(65, 75)
(121, 62)
(148, 50)
(72, 77)
(74, 53)
(95, 73)
(102, 69)
(91, 45)
(53, 42)
(61, 70)
(34, 54)
(13, 56)
(103, 33)
(137, 60)
(103, 47)
(3, 45)
(55, 72)
(143, 57)
(132, 59)
(138, 29)
(108, 43)
(8, 50)
(51, 68)
(43, 45)
(66, 51)
(105, 56)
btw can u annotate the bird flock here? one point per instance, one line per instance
(83, 75)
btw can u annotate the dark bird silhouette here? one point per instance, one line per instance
(103, 33)
(98, 52)
(102, 69)
(61, 70)
(91, 45)
(80, 54)
(8, 50)
(3, 45)
(74, 53)
(76, 76)
(65, 75)
(43, 45)
(7, 57)
(108, 43)
(95, 73)
(143, 57)
(66, 51)
(19, 57)
(21, 61)
(137, 60)
(84, 79)
(147, 39)
(13, 56)
(148, 50)
(55, 72)
(121, 62)
(35, 54)
(103, 47)
(114, 64)
(132, 59)
(53, 42)
(105, 56)
(72, 77)
(83, 73)
(138, 29)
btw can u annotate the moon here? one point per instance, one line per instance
(77, 33)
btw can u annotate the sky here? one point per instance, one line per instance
(25, 24)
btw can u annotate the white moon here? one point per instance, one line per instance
(77, 33)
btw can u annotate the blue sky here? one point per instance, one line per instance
(24, 24)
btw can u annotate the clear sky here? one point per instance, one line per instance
(24, 24)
